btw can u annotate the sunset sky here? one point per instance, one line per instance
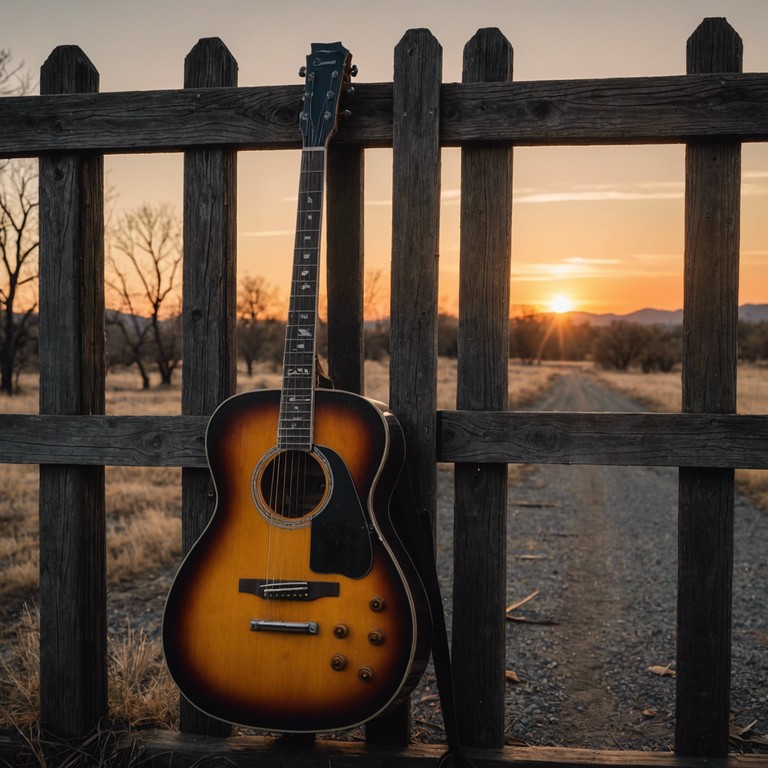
(602, 226)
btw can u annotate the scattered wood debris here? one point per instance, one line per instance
(745, 739)
(512, 677)
(526, 619)
(663, 671)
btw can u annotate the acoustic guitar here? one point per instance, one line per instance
(299, 609)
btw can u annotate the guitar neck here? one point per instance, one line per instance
(295, 426)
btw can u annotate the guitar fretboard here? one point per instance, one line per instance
(298, 391)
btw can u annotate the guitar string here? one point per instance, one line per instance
(289, 478)
(287, 497)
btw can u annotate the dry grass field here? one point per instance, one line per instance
(143, 537)
(663, 392)
(144, 527)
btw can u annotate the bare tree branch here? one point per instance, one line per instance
(144, 276)
(18, 265)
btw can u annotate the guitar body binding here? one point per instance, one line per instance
(311, 621)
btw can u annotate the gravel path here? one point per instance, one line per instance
(598, 544)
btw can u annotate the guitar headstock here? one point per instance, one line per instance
(327, 74)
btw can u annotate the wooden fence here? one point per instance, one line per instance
(70, 126)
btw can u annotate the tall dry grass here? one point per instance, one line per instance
(663, 392)
(140, 693)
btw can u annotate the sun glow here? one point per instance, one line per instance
(560, 304)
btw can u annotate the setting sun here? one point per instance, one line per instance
(560, 304)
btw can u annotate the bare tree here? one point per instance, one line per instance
(18, 243)
(620, 345)
(526, 332)
(256, 328)
(14, 79)
(145, 278)
(374, 295)
(134, 332)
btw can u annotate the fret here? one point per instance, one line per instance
(295, 424)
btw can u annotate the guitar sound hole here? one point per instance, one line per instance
(292, 485)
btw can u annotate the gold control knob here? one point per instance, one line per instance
(376, 636)
(377, 604)
(365, 674)
(340, 630)
(338, 662)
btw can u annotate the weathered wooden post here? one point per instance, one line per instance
(344, 224)
(209, 301)
(415, 246)
(73, 636)
(479, 637)
(705, 548)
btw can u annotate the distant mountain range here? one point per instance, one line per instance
(753, 313)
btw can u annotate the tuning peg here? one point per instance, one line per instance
(346, 113)
(353, 70)
(350, 90)
(303, 72)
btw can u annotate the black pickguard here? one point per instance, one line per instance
(341, 535)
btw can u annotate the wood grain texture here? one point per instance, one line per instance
(415, 253)
(73, 679)
(630, 439)
(209, 340)
(520, 437)
(710, 307)
(655, 110)
(345, 180)
(131, 441)
(173, 750)
(413, 314)
(478, 641)
(641, 110)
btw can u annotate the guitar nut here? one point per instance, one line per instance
(376, 636)
(338, 662)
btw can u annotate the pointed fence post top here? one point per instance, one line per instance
(68, 70)
(419, 45)
(488, 57)
(418, 37)
(209, 65)
(714, 46)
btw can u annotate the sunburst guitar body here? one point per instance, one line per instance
(299, 609)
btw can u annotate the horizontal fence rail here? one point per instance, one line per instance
(638, 110)
(478, 437)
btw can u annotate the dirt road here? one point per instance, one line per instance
(599, 544)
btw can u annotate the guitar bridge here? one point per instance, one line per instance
(291, 627)
(280, 589)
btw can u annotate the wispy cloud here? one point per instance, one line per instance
(266, 233)
(581, 260)
(655, 190)
(754, 183)
(450, 196)
(579, 268)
